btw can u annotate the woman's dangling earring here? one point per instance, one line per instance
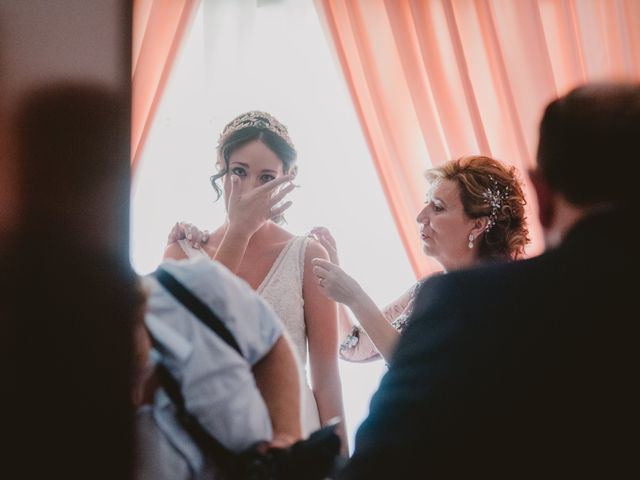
(470, 244)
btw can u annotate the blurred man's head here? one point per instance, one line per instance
(588, 152)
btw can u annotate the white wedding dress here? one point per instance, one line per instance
(282, 289)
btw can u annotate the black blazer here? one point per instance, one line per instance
(522, 369)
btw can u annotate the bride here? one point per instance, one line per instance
(256, 163)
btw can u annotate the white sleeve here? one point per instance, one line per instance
(217, 384)
(220, 390)
(250, 319)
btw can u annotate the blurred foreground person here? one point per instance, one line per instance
(220, 395)
(67, 294)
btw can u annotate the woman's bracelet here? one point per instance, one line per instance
(351, 340)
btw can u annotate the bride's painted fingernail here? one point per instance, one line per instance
(189, 236)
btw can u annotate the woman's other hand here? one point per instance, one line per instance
(188, 231)
(248, 211)
(323, 235)
(335, 283)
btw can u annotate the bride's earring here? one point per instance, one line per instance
(470, 244)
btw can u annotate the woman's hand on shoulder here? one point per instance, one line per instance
(315, 251)
(335, 283)
(324, 237)
(188, 231)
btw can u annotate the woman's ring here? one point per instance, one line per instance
(321, 282)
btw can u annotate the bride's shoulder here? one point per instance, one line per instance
(175, 251)
(314, 249)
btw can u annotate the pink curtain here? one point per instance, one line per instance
(158, 29)
(432, 80)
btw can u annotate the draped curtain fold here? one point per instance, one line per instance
(158, 29)
(434, 80)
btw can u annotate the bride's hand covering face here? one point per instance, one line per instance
(248, 209)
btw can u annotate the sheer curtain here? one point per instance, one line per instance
(158, 29)
(433, 80)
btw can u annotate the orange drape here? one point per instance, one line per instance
(158, 29)
(433, 80)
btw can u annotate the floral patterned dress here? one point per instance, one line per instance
(358, 347)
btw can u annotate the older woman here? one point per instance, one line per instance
(474, 213)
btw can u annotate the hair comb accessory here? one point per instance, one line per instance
(495, 197)
(257, 119)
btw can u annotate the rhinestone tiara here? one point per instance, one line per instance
(257, 119)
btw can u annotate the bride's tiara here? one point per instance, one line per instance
(256, 119)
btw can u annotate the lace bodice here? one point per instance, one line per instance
(282, 289)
